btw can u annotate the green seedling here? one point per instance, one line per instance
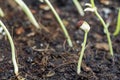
(117, 30)
(92, 8)
(60, 22)
(28, 13)
(79, 7)
(85, 27)
(12, 47)
(1, 13)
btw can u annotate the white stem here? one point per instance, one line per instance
(12, 47)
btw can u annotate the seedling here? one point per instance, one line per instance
(92, 8)
(117, 30)
(79, 7)
(1, 13)
(28, 13)
(12, 47)
(85, 27)
(60, 22)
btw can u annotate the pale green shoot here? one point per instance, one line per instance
(79, 7)
(28, 13)
(85, 27)
(1, 13)
(60, 22)
(117, 30)
(12, 48)
(92, 8)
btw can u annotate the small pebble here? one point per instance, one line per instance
(77, 50)
(41, 45)
(29, 60)
(78, 42)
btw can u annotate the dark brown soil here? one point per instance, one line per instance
(45, 55)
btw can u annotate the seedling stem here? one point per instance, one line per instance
(79, 7)
(85, 27)
(28, 13)
(12, 48)
(104, 25)
(117, 30)
(81, 53)
(1, 13)
(60, 22)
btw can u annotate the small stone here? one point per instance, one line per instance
(30, 60)
(41, 45)
(44, 7)
(77, 41)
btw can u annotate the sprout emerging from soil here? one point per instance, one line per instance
(85, 27)
(79, 7)
(117, 30)
(12, 47)
(60, 22)
(28, 13)
(1, 13)
(91, 7)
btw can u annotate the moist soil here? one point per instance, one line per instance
(45, 55)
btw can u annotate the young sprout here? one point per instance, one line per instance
(92, 8)
(79, 7)
(60, 22)
(85, 27)
(28, 13)
(1, 13)
(117, 30)
(12, 47)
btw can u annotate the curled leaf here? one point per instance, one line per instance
(90, 9)
(88, 5)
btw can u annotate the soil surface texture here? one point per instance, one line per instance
(45, 55)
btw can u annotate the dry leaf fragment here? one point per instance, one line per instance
(105, 2)
(102, 46)
(97, 37)
(65, 22)
(19, 30)
(50, 74)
